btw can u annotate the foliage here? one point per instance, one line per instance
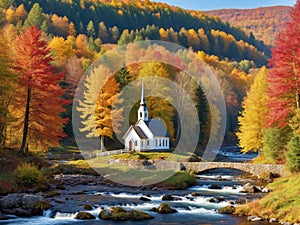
(274, 143)
(263, 22)
(293, 154)
(6, 89)
(38, 103)
(253, 118)
(27, 174)
(284, 78)
(97, 103)
(35, 17)
(117, 23)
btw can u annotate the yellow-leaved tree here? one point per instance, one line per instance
(158, 107)
(96, 107)
(253, 118)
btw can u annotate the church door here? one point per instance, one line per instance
(130, 145)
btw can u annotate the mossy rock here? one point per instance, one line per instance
(88, 207)
(120, 214)
(115, 213)
(138, 215)
(227, 210)
(42, 205)
(84, 216)
(164, 208)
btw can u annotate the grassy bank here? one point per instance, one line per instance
(282, 203)
(125, 174)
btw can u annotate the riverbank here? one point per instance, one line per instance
(282, 204)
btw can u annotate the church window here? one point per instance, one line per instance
(148, 142)
(141, 114)
(135, 143)
(142, 143)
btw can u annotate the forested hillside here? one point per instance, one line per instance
(111, 20)
(79, 32)
(263, 22)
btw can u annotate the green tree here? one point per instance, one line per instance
(35, 17)
(91, 29)
(274, 143)
(293, 154)
(254, 115)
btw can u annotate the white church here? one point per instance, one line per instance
(147, 134)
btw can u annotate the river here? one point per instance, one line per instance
(192, 210)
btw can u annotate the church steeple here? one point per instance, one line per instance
(143, 111)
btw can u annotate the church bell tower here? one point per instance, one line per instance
(143, 111)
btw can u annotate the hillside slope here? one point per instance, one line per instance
(188, 28)
(264, 22)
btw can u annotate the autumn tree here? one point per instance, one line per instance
(38, 104)
(284, 78)
(158, 107)
(96, 105)
(253, 118)
(62, 50)
(6, 89)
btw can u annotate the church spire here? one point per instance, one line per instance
(143, 102)
(143, 111)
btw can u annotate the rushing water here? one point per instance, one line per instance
(191, 210)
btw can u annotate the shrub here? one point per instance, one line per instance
(293, 154)
(27, 174)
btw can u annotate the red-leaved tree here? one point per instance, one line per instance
(284, 77)
(38, 103)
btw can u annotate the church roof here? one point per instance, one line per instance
(139, 132)
(157, 128)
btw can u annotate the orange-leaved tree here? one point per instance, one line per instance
(38, 103)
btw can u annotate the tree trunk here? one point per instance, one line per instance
(102, 143)
(26, 124)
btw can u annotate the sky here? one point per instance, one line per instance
(221, 4)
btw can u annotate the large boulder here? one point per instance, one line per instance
(11, 201)
(24, 205)
(84, 216)
(164, 208)
(31, 201)
(120, 214)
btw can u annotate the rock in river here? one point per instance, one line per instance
(120, 214)
(164, 208)
(84, 216)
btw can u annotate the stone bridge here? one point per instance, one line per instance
(197, 167)
(255, 169)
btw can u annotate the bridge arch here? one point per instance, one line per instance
(256, 169)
